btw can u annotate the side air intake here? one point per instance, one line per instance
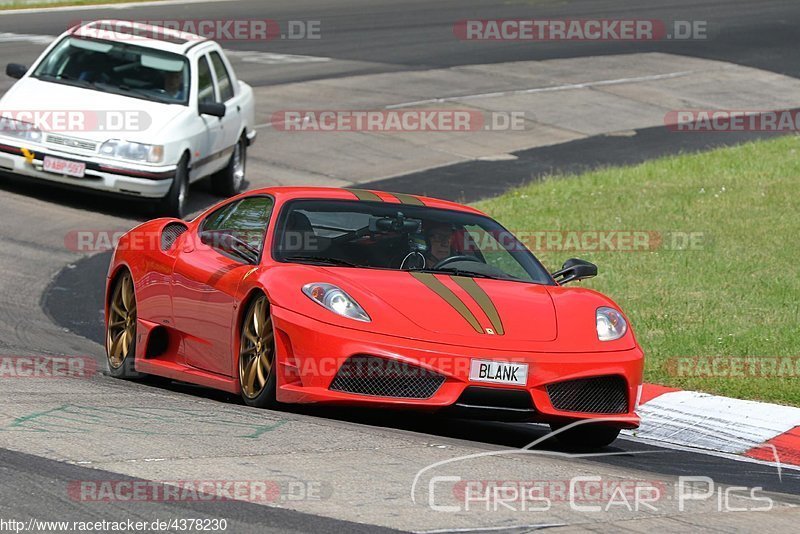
(170, 234)
(600, 394)
(380, 377)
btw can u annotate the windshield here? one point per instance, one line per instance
(118, 68)
(402, 237)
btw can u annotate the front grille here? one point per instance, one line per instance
(170, 233)
(601, 394)
(380, 377)
(71, 142)
(493, 404)
(498, 398)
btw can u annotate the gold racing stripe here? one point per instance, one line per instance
(408, 199)
(482, 299)
(435, 285)
(363, 194)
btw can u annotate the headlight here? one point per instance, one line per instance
(20, 130)
(331, 297)
(132, 151)
(610, 324)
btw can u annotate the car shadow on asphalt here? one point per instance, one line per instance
(492, 433)
(137, 209)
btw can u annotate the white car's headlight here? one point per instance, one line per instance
(336, 300)
(128, 150)
(611, 324)
(20, 130)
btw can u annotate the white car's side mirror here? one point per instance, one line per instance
(214, 109)
(15, 70)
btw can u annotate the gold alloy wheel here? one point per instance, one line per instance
(257, 349)
(121, 331)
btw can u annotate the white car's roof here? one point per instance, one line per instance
(140, 34)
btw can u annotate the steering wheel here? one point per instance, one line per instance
(453, 259)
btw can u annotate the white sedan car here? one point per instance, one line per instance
(130, 109)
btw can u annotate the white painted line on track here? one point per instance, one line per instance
(125, 5)
(564, 87)
(491, 529)
(6, 37)
(246, 56)
(272, 58)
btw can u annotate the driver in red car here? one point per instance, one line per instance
(440, 241)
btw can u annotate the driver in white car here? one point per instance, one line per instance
(173, 84)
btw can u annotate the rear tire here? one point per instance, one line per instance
(175, 202)
(587, 436)
(228, 181)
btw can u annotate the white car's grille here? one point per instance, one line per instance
(71, 142)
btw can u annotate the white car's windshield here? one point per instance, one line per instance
(119, 68)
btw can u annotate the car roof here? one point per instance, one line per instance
(284, 194)
(140, 34)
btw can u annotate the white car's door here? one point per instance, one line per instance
(205, 161)
(231, 95)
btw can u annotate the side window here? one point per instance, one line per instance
(205, 85)
(223, 79)
(245, 220)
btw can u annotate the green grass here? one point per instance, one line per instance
(739, 296)
(61, 3)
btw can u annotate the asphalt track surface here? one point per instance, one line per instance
(374, 36)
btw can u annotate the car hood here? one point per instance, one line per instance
(474, 312)
(463, 306)
(145, 118)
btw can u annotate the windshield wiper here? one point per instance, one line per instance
(459, 272)
(321, 259)
(63, 78)
(147, 95)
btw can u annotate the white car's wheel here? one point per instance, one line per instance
(229, 180)
(175, 202)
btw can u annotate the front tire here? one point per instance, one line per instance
(587, 436)
(257, 369)
(228, 181)
(121, 329)
(175, 202)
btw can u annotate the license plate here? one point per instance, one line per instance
(64, 167)
(498, 372)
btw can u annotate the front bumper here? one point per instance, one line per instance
(310, 354)
(101, 175)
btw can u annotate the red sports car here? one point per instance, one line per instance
(355, 297)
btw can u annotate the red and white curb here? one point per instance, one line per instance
(757, 430)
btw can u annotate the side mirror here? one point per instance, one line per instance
(215, 109)
(15, 70)
(575, 269)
